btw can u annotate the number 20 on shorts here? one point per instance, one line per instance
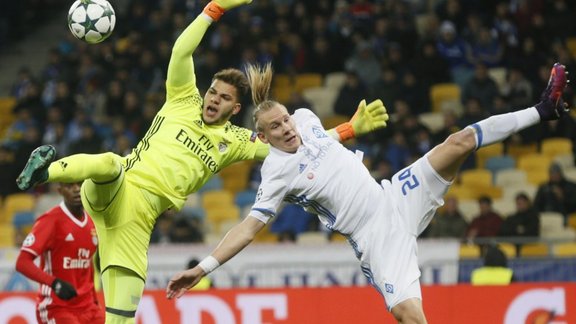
(409, 181)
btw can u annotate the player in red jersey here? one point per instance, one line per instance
(65, 240)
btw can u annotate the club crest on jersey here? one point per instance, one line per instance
(222, 146)
(198, 122)
(29, 240)
(94, 236)
(318, 132)
(389, 288)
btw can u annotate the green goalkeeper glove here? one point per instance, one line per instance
(366, 119)
(215, 9)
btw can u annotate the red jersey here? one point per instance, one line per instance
(66, 246)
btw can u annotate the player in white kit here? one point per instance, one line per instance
(309, 167)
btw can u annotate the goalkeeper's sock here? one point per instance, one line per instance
(499, 127)
(100, 168)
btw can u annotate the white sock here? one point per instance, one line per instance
(499, 127)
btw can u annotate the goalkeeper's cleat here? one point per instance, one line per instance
(36, 169)
(551, 105)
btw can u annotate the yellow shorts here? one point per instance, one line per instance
(124, 215)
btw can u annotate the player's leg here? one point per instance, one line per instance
(409, 311)
(41, 168)
(123, 289)
(447, 157)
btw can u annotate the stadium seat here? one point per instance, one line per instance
(534, 250)
(504, 206)
(567, 249)
(433, 120)
(497, 163)
(572, 221)
(511, 191)
(46, 202)
(193, 200)
(476, 178)
(282, 80)
(322, 100)
(333, 121)
(6, 235)
(571, 46)
(469, 251)
(16, 202)
(461, 192)
(216, 199)
(469, 208)
(516, 151)
(282, 93)
(498, 74)
(555, 146)
(534, 163)
(245, 198)
(442, 92)
(550, 224)
(213, 184)
(570, 174)
(23, 219)
(510, 177)
(565, 161)
(6, 106)
(265, 236)
(335, 80)
(486, 152)
(509, 249)
(537, 177)
(304, 81)
(218, 216)
(235, 176)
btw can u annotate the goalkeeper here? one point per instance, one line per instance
(381, 220)
(190, 140)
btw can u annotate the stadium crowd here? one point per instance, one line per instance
(96, 98)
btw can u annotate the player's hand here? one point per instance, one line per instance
(183, 281)
(63, 289)
(229, 4)
(369, 117)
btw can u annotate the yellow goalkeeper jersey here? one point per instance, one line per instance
(180, 153)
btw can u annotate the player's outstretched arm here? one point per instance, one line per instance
(233, 242)
(181, 66)
(366, 119)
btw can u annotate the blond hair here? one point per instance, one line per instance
(260, 80)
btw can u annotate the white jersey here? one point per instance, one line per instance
(323, 176)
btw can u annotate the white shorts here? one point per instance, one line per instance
(390, 260)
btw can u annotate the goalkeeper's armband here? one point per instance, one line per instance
(213, 10)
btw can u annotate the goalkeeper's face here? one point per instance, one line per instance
(220, 103)
(277, 129)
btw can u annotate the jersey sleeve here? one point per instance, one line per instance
(250, 146)
(271, 192)
(40, 237)
(305, 116)
(181, 78)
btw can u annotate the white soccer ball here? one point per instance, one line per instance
(91, 20)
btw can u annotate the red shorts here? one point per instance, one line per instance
(93, 314)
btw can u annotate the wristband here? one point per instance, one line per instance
(213, 10)
(345, 131)
(209, 264)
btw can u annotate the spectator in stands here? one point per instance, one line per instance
(517, 90)
(487, 223)
(448, 222)
(481, 86)
(350, 94)
(557, 194)
(495, 270)
(525, 222)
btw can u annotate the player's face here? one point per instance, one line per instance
(71, 194)
(220, 103)
(278, 129)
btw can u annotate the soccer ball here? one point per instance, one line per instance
(91, 20)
